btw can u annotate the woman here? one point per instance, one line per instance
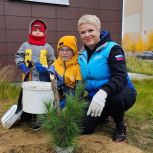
(103, 67)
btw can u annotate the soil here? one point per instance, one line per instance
(21, 139)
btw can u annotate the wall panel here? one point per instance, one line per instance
(61, 20)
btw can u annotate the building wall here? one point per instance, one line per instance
(132, 7)
(133, 18)
(61, 20)
(147, 21)
(138, 20)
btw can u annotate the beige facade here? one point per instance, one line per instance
(138, 20)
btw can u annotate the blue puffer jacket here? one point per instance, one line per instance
(105, 68)
(97, 71)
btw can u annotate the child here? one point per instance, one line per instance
(66, 67)
(36, 49)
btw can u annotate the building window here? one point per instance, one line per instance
(60, 2)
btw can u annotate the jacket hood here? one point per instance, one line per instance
(69, 41)
(36, 21)
(105, 36)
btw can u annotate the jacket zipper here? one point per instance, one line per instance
(64, 72)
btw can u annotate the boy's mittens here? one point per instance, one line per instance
(62, 103)
(24, 68)
(60, 79)
(52, 70)
(40, 68)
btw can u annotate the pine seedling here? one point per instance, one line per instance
(65, 126)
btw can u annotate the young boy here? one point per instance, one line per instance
(65, 67)
(36, 49)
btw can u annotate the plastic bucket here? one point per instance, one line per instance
(35, 95)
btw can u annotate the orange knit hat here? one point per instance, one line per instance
(69, 41)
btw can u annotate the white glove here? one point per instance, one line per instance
(97, 104)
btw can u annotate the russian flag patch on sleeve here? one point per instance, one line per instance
(119, 57)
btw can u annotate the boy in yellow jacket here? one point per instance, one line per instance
(65, 67)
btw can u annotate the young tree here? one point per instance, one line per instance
(149, 42)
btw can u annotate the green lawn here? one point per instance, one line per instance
(8, 91)
(140, 117)
(8, 95)
(139, 66)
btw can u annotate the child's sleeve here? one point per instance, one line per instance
(78, 74)
(50, 55)
(20, 55)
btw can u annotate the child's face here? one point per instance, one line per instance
(37, 33)
(65, 53)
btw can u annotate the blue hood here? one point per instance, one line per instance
(105, 36)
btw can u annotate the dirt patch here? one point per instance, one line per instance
(21, 139)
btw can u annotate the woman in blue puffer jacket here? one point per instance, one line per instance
(103, 68)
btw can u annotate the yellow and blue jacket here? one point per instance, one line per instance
(69, 70)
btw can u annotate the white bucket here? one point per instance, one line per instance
(35, 95)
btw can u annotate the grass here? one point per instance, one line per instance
(8, 95)
(140, 117)
(139, 66)
(8, 91)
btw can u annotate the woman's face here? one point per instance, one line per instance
(89, 34)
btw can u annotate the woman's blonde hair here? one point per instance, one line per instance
(90, 19)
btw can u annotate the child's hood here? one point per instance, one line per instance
(69, 41)
(38, 22)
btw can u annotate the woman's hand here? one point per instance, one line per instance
(97, 104)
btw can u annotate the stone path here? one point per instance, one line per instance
(136, 76)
